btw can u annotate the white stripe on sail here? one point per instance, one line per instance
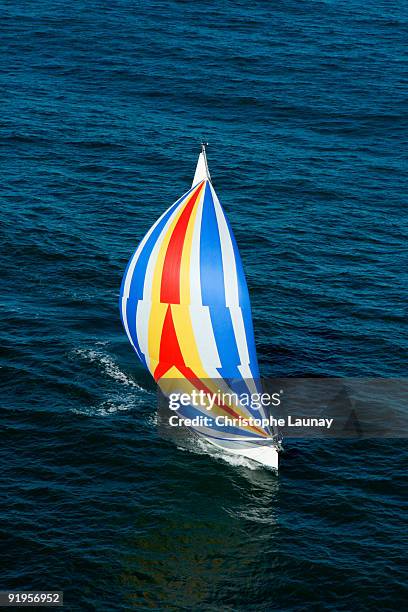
(195, 273)
(228, 256)
(204, 337)
(126, 326)
(142, 328)
(240, 337)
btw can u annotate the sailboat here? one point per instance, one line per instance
(185, 307)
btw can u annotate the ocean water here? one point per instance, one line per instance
(102, 108)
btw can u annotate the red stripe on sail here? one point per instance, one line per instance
(170, 352)
(170, 282)
(171, 356)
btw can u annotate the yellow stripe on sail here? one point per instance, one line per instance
(186, 339)
(156, 321)
(158, 268)
(159, 309)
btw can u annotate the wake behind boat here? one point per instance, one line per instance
(185, 307)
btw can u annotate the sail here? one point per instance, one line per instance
(202, 171)
(185, 307)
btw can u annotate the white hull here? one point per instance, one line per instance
(265, 455)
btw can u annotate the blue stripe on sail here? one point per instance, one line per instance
(131, 311)
(211, 269)
(249, 333)
(225, 340)
(243, 295)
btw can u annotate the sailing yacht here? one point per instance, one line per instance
(185, 307)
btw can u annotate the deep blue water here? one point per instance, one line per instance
(304, 104)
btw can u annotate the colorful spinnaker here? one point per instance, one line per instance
(185, 307)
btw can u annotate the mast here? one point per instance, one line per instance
(202, 172)
(203, 151)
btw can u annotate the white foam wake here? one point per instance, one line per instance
(108, 365)
(117, 398)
